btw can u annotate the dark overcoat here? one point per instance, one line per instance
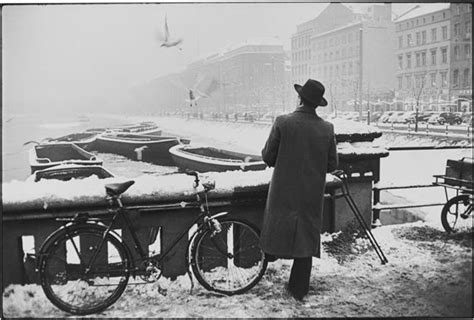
(302, 148)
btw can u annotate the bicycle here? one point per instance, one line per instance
(85, 265)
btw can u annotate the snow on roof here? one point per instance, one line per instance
(256, 41)
(424, 8)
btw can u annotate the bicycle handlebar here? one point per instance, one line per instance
(195, 174)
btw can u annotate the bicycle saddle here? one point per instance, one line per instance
(115, 189)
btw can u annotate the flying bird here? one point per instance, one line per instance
(166, 40)
(194, 94)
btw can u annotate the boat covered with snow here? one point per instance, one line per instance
(142, 128)
(147, 148)
(84, 140)
(48, 155)
(68, 171)
(206, 159)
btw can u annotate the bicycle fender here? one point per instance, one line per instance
(61, 230)
(220, 214)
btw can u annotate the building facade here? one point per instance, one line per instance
(350, 53)
(461, 57)
(251, 76)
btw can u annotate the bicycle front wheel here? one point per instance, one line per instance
(456, 213)
(229, 261)
(82, 273)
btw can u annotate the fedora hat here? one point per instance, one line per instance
(313, 92)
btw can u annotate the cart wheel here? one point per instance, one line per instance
(456, 213)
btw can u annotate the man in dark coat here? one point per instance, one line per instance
(302, 148)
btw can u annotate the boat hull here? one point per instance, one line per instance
(216, 160)
(145, 148)
(48, 155)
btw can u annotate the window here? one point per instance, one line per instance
(468, 27)
(408, 81)
(433, 57)
(349, 37)
(467, 51)
(343, 53)
(423, 58)
(455, 78)
(400, 83)
(400, 42)
(351, 51)
(444, 31)
(408, 60)
(418, 60)
(466, 78)
(423, 37)
(433, 35)
(418, 39)
(457, 10)
(400, 62)
(349, 71)
(433, 79)
(409, 43)
(456, 29)
(456, 52)
(444, 55)
(432, 18)
(444, 79)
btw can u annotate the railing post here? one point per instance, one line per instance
(468, 131)
(447, 130)
(409, 127)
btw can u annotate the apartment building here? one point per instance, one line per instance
(423, 56)
(350, 52)
(461, 57)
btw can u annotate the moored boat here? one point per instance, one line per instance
(47, 155)
(143, 128)
(205, 159)
(84, 140)
(148, 148)
(67, 172)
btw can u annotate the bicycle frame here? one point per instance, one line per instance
(121, 210)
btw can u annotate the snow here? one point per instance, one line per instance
(56, 193)
(429, 274)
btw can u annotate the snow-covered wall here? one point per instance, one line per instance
(48, 195)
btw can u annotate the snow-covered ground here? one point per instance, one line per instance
(429, 274)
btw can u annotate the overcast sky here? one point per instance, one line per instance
(52, 53)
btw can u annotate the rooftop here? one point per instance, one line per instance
(423, 9)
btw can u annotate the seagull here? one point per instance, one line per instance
(194, 94)
(165, 39)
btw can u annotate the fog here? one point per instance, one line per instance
(86, 57)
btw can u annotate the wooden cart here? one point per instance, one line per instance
(456, 213)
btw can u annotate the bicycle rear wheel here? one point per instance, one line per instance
(66, 279)
(457, 213)
(230, 261)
